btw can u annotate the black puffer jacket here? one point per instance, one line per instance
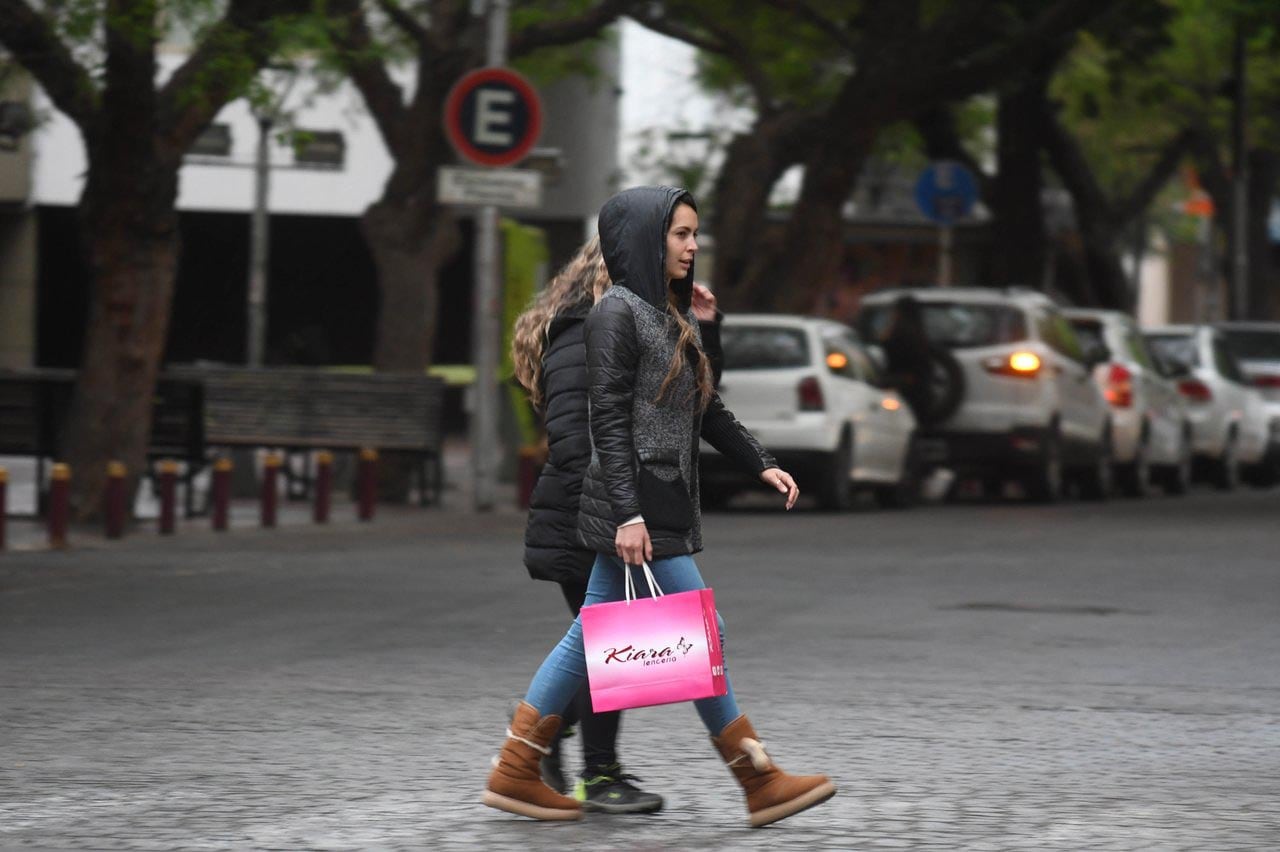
(552, 549)
(640, 443)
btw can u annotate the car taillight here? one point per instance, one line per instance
(810, 395)
(1119, 390)
(1021, 364)
(1270, 382)
(1195, 390)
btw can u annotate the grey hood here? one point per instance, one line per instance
(633, 229)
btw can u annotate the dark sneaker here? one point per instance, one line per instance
(609, 790)
(552, 771)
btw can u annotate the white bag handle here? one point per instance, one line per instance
(654, 589)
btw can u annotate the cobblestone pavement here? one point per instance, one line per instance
(973, 677)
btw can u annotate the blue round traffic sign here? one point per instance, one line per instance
(493, 117)
(946, 191)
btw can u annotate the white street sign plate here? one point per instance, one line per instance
(496, 187)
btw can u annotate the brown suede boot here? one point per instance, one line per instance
(771, 793)
(516, 785)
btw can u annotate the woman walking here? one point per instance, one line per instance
(651, 399)
(551, 363)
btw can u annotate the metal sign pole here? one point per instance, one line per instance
(485, 325)
(944, 256)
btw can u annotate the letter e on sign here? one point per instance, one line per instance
(493, 117)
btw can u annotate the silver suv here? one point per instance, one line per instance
(1013, 390)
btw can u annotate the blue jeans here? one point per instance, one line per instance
(565, 668)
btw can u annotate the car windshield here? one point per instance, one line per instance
(758, 347)
(1254, 344)
(1175, 349)
(955, 325)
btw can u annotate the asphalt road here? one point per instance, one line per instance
(989, 676)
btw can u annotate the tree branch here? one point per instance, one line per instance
(359, 58)
(36, 47)
(215, 72)
(718, 40)
(567, 30)
(405, 21)
(823, 24)
(1164, 167)
(963, 74)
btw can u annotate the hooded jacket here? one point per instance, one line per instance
(552, 549)
(643, 447)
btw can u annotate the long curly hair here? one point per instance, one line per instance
(687, 350)
(583, 280)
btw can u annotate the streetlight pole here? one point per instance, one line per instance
(1239, 184)
(258, 243)
(485, 330)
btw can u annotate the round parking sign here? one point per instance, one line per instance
(493, 117)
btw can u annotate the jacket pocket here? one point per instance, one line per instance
(664, 497)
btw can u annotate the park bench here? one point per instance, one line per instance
(299, 410)
(34, 404)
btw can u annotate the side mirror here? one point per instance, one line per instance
(877, 356)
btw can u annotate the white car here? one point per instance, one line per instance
(1150, 433)
(1022, 402)
(807, 390)
(1257, 347)
(1228, 417)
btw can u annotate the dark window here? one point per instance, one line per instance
(1175, 350)
(763, 347)
(1225, 361)
(1253, 345)
(213, 141)
(322, 148)
(956, 325)
(1089, 333)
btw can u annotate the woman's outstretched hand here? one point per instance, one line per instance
(633, 545)
(704, 303)
(778, 478)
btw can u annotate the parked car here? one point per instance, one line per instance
(807, 390)
(1023, 403)
(1150, 433)
(1257, 347)
(1228, 417)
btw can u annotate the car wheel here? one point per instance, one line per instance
(1096, 481)
(1135, 477)
(836, 492)
(1044, 483)
(1177, 479)
(1224, 471)
(906, 491)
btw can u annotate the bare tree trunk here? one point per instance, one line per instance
(1264, 277)
(409, 245)
(787, 274)
(133, 251)
(754, 162)
(1018, 233)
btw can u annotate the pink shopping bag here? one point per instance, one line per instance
(656, 650)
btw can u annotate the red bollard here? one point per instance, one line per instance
(59, 505)
(270, 476)
(113, 500)
(221, 496)
(324, 486)
(168, 495)
(367, 483)
(4, 502)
